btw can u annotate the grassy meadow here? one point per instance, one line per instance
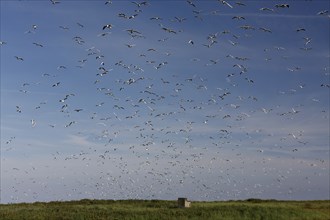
(159, 209)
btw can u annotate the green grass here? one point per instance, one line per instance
(158, 209)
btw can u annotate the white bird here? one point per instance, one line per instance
(70, 123)
(266, 9)
(56, 84)
(33, 122)
(232, 42)
(307, 40)
(324, 12)
(238, 17)
(109, 26)
(64, 28)
(139, 4)
(226, 3)
(156, 18)
(18, 109)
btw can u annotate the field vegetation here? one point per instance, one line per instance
(159, 209)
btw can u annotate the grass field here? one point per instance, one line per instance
(158, 209)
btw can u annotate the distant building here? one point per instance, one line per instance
(183, 203)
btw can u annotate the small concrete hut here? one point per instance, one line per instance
(183, 203)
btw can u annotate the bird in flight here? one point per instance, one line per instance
(64, 28)
(240, 4)
(132, 31)
(324, 12)
(226, 3)
(19, 58)
(169, 30)
(156, 18)
(39, 45)
(107, 26)
(139, 4)
(238, 17)
(265, 30)
(18, 109)
(33, 122)
(54, 2)
(282, 6)
(56, 84)
(191, 3)
(178, 19)
(266, 9)
(300, 29)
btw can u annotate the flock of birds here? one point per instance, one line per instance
(149, 128)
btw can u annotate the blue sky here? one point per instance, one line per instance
(207, 101)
